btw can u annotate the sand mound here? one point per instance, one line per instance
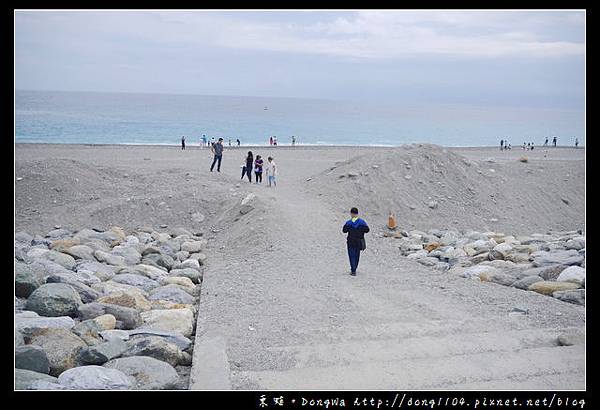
(427, 186)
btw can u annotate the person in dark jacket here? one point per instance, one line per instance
(356, 229)
(247, 169)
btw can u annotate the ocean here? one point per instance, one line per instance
(162, 119)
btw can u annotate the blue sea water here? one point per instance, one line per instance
(127, 118)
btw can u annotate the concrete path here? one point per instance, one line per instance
(279, 311)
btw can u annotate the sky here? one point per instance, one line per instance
(502, 57)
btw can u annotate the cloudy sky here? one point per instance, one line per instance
(529, 58)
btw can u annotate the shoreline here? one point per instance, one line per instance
(285, 146)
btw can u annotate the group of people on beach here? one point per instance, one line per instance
(258, 166)
(529, 146)
(205, 142)
(251, 164)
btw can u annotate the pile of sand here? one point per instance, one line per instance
(427, 186)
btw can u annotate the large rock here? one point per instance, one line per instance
(23, 237)
(48, 267)
(80, 252)
(95, 378)
(64, 260)
(33, 358)
(109, 258)
(500, 278)
(154, 346)
(54, 299)
(128, 299)
(159, 261)
(60, 245)
(549, 273)
(86, 293)
(576, 243)
(151, 272)
(110, 287)
(27, 279)
(130, 254)
(109, 335)
(173, 293)
(575, 274)
(102, 352)
(572, 296)
(548, 288)
(24, 379)
(100, 270)
(149, 373)
(88, 331)
(178, 280)
(28, 322)
(193, 274)
(61, 347)
(87, 278)
(175, 320)
(479, 271)
(127, 318)
(568, 257)
(527, 281)
(172, 337)
(247, 204)
(190, 263)
(194, 246)
(137, 280)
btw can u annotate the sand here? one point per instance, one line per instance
(276, 290)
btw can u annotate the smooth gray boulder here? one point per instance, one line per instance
(32, 358)
(567, 257)
(27, 279)
(80, 252)
(89, 331)
(173, 294)
(149, 373)
(112, 334)
(95, 378)
(527, 281)
(102, 352)
(64, 260)
(172, 337)
(25, 378)
(86, 293)
(576, 296)
(195, 275)
(154, 346)
(136, 280)
(100, 270)
(54, 299)
(127, 318)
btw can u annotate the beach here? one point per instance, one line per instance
(277, 308)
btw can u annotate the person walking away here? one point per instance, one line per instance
(554, 142)
(247, 169)
(258, 169)
(217, 150)
(546, 142)
(238, 142)
(501, 145)
(271, 171)
(356, 228)
(183, 142)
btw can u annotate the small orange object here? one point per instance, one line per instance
(391, 221)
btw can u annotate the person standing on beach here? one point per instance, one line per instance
(356, 228)
(247, 169)
(183, 142)
(275, 140)
(501, 145)
(258, 169)
(293, 141)
(554, 142)
(217, 150)
(270, 140)
(238, 142)
(576, 142)
(546, 142)
(271, 171)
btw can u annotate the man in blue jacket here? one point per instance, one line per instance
(356, 229)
